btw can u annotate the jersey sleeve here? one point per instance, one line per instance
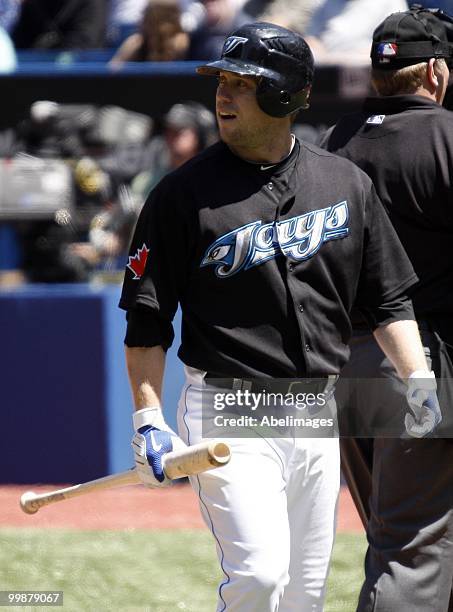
(156, 271)
(387, 272)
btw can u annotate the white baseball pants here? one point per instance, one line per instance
(272, 512)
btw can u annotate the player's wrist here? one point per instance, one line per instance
(422, 374)
(151, 415)
(422, 379)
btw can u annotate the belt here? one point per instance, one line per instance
(301, 385)
(423, 325)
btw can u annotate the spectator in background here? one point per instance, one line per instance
(336, 30)
(444, 5)
(255, 9)
(126, 15)
(108, 236)
(9, 12)
(7, 53)
(90, 212)
(189, 127)
(123, 19)
(221, 17)
(193, 14)
(293, 14)
(61, 24)
(340, 30)
(161, 37)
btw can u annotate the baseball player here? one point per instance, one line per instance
(265, 242)
(404, 140)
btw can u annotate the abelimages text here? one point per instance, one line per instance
(271, 421)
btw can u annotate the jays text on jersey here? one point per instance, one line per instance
(266, 262)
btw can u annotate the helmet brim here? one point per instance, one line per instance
(238, 67)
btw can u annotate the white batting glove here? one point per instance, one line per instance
(153, 438)
(422, 399)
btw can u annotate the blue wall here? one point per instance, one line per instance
(65, 397)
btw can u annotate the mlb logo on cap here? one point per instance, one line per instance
(376, 119)
(387, 49)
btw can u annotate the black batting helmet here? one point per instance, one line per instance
(279, 56)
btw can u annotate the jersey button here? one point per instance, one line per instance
(270, 186)
(291, 267)
(307, 348)
(301, 308)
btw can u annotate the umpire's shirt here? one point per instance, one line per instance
(405, 144)
(266, 262)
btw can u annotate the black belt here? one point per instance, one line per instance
(299, 385)
(424, 325)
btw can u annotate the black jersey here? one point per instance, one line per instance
(266, 261)
(405, 144)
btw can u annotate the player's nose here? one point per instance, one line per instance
(223, 93)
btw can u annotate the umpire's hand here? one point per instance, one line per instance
(422, 398)
(152, 440)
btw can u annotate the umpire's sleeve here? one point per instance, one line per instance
(386, 274)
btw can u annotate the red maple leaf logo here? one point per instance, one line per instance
(137, 262)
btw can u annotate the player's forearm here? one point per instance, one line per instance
(401, 342)
(146, 370)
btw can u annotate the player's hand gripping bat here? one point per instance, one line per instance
(177, 464)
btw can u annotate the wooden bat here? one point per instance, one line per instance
(177, 464)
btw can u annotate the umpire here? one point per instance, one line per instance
(403, 139)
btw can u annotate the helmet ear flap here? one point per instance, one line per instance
(285, 97)
(280, 102)
(271, 99)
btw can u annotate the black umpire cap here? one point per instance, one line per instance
(412, 36)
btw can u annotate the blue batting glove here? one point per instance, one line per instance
(149, 445)
(422, 398)
(152, 440)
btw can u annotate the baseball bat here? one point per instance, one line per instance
(177, 464)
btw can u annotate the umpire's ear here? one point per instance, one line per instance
(437, 77)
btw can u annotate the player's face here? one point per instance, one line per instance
(241, 121)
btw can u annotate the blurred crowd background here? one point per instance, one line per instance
(73, 176)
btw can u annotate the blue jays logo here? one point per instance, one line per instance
(232, 42)
(298, 238)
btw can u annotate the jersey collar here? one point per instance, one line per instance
(266, 167)
(397, 104)
(268, 170)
